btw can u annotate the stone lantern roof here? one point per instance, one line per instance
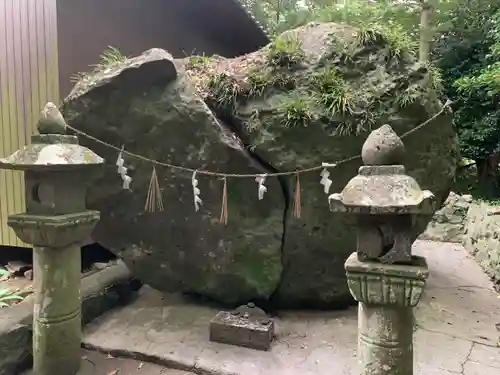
(52, 149)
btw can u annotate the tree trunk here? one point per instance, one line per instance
(487, 176)
(425, 31)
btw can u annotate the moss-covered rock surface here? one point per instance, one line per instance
(309, 97)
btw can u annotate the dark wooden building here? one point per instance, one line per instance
(43, 43)
(182, 27)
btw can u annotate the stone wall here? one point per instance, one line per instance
(448, 223)
(481, 237)
(474, 224)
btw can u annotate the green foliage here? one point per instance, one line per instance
(435, 77)
(298, 112)
(474, 83)
(395, 36)
(4, 273)
(7, 297)
(278, 16)
(253, 123)
(331, 89)
(264, 78)
(109, 58)
(198, 61)
(409, 96)
(466, 69)
(285, 52)
(223, 90)
(258, 80)
(420, 90)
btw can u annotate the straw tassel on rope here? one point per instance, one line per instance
(154, 201)
(297, 205)
(223, 211)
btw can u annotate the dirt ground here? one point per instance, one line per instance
(94, 363)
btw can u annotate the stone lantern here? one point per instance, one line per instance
(382, 274)
(56, 171)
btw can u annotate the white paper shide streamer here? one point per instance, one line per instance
(122, 171)
(262, 189)
(325, 178)
(196, 193)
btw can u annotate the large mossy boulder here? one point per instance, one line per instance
(309, 97)
(150, 109)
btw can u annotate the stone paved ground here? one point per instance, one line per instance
(455, 334)
(94, 363)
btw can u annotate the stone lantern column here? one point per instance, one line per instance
(383, 275)
(386, 294)
(56, 222)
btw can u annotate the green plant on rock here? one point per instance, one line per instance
(259, 81)
(397, 39)
(263, 79)
(198, 61)
(367, 36)
(109, 58)
(298, 112)
(285, 51)
(409, 96)
(332, 92)
(428, 87)
(223, 90)
(435, 77)
(344, 129)
(253, 122)
(7, 297)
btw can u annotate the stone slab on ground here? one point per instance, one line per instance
(455, 331)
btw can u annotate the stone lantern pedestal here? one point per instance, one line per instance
(383, 275)
(386, 294)
(57, 170)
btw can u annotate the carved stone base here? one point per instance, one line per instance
(386, 284)
(227, 328)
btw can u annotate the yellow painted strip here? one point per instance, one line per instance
(4, 123)
(10, 132)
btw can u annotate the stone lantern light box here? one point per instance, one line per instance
(57, 169)
(384, 200)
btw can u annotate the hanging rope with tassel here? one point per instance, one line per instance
(223, 211)
(297, 205)
(154, 200)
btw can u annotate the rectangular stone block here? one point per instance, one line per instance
(227, 328)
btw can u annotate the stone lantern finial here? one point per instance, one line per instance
(383, 147)
(51, 120)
